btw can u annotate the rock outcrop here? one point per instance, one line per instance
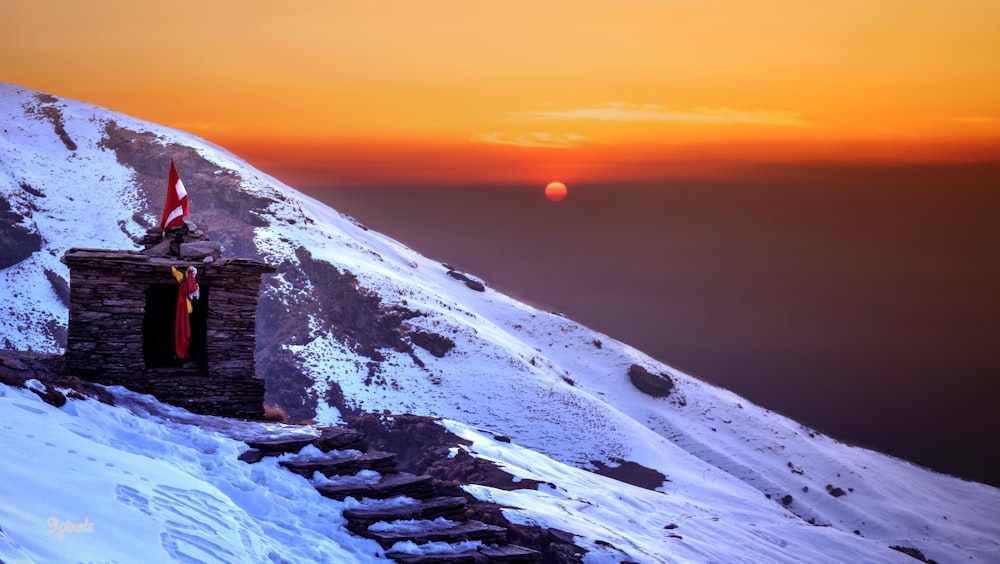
(656, 385)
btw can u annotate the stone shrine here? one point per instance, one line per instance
(121, 322)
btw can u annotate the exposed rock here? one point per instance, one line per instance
(354, 314)
(59, 285)
(349, 453)
(630, 473)
(449, 507)
(31, 190)
(17, 242)
(197, 250)
(913, 553)
(161, 248)
(389, 485)
(656, 385)
(437, 345)
(341, 438)
(252, 456)
(215, 193)
(471, 283)
(17, 367)
(279, 445)
(423, 448)
(835, 491)
(47, 109)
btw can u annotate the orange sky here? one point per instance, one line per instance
(460, 91)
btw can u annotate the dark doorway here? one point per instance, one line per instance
(158, 328)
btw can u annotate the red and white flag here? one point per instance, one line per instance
(176, 206)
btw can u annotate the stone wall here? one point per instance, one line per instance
(106, 341)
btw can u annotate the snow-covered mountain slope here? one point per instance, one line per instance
(354, 321)
(142, 480)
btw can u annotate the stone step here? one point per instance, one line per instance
(342, 463)
(511, 554)
(452, 508)
(465, 557)
(280, 445)
(390, 485)
(464, 531)
(506, 554)
(341, 438)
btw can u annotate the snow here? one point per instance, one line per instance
(156, 483)
(362, 478)
(412, 525)
(154, 488)
(143, 478)
(434, 547)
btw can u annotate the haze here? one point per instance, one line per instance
(460, 93)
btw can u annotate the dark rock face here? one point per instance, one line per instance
(215, 193)
(913, 553)
(286, 386)
(17, 367)
(59, 285)
(355, 314)
(656, 385)
(16, 241)
(630, 473)
(422, 447)
(48, 110)
(437, 345)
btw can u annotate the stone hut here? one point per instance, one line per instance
(121, 326)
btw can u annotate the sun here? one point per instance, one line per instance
(555, 191)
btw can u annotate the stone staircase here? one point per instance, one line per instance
(395, 506)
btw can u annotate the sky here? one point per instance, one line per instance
(452, 92)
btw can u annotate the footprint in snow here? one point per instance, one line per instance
(190, 506)
(185, 547)
(132, 498)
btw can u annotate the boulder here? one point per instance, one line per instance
(197, 250)
(656, 385)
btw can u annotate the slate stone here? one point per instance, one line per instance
(656, 385)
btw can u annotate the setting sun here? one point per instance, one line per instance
(555, 191)
(345, 85)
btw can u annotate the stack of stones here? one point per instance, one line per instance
(189, 241)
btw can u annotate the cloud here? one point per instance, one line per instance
(621, 112)
(534, 139)
(976, 119)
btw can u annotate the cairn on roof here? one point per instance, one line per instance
(188, 241)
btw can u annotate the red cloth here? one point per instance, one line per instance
(176, 206)
(182, 320)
